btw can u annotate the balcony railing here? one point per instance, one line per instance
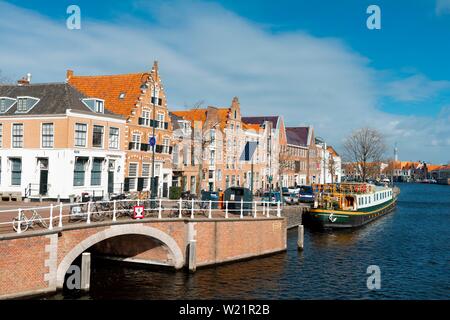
(153, 123)
(159, 148)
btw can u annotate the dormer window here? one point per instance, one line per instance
(95, 105)
(99, 106)
(25, 104)
(6, 103)
(122, 95)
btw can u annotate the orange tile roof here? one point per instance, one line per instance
(251, 126)
(200, 115)
(432, 167)
(110, 87)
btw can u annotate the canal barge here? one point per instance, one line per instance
(350, 205)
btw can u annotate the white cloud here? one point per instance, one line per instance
(415, 88)
(442, 7)
(208, 53)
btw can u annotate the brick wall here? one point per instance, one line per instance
(30, 264)
(22, 265)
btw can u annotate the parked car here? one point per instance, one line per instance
(272, 197)
(291, 199)
(306, 194)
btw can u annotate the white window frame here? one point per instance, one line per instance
(42, 135)
(12, 105)
(118, 138)
(75, 135)
(12, 135)
(36, 101)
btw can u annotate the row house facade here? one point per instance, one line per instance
(56, 142)
(209, 149)
(140, 98)
(299, 157)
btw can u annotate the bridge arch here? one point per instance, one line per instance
(114, 231)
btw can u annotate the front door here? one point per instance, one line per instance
(43, 177)
(110, 181)
(111, 167)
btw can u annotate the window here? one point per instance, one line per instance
(47, 135)
(166, 145)
(114, 138)
(146, 118)
(79, 171)
(6, 103)
(212, 136)
(132, 174)
(17, 135)
(161, 120)
(192, 184)
(97, 137)
(22, 105)
(145, 174)
(80, 134)
(212, 157)
(122, 95)
(136, 142)
(99, 106)
(96, 172)
(16, 171)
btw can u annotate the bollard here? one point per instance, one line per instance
(88, 220)
(114, 211)
(159, 209)
(19, 221)
(210, 205)
(268, 209)
(85, 271)
(254, 211)
(192, 255)
(192, 208)
(179, 208)
(50, 223)
(278, 209)
(301, 234)
(226, 209)
(60, 215)
(242, 208)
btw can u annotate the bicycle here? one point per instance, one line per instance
(26, 223)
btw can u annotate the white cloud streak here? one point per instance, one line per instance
(208, 53)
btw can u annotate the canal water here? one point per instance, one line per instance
(411, 246)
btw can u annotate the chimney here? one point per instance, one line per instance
(25, 80)
(69, 74)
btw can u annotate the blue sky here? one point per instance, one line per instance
(313, 61)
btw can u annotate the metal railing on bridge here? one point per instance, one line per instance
(59, 215)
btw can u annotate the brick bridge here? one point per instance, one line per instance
(36, 262)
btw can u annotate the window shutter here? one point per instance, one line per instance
(160, 102)
(126, 185)
(140, 185)
(141, 121)
(130, 145)
(166, 125)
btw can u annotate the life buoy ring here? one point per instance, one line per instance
(332, 218)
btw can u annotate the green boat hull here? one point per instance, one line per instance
(337, 219)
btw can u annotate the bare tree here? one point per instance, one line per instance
(364, 147)
(4, 79)
(332, 167)
(201, 140)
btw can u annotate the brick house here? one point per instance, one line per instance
(56, 142)
(300, 157)
(210, 145)
(141, 99)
